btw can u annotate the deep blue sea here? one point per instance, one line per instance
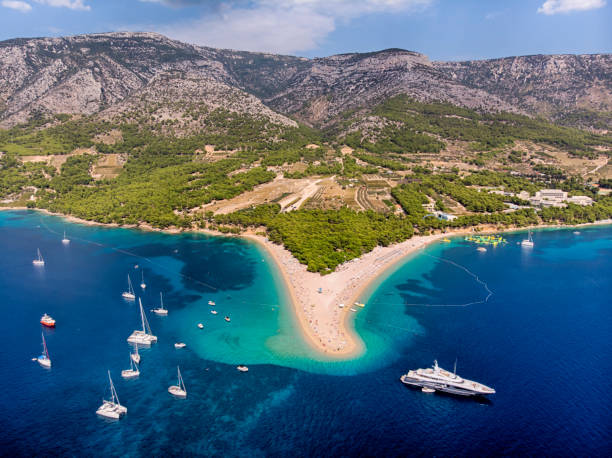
(542, 339)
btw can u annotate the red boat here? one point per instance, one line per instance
(46, 320)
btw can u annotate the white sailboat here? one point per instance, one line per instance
(143, 285)
(528, 242)
(129, 294)
(161, 310)
(132, 372)
(65, 240)
(111, 408)
(144, 337)
(39, 261)
(179, 389)
(44, 359)
(135, 356)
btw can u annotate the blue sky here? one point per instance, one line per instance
(442, 29)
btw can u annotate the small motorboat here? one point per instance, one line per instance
(482, 249)
(426, 389)
(446, 240)
(47, 321)
(227, 318)
(200, 325)
(353, 310)
(211, 303)
(341, 306)
(360, 304)
(214, 312)
(242, 368)
(576, 232)
(180, 345)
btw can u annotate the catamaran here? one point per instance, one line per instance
(143, 285)
(528, 242)
(179, 389)
(111, 408)
(135, 356)
(161, 310)
(132, 371)
(65, 240)
(129, 294)
(39, 261)
(44, 359)
(144, 337)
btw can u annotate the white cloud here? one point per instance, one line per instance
(16, 5)
(280, 26)
(70, 4)
(567, 6)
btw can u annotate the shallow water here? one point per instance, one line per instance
(541, 340)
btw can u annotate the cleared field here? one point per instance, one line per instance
(108, 167)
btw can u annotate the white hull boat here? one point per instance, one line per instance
(144, 336)
(179, 389)
(39, 261)
(129, 294)
(111, 408)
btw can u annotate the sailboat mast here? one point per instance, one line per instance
(142, 317)
(45, 346)
(161, 300)
(114, 396)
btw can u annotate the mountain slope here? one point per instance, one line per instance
(89, 73)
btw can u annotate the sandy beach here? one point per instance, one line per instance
(323, 304)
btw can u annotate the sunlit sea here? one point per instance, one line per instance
(535, 324)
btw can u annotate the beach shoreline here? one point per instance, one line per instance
(316, 299)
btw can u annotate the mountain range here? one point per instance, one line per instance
(117, 74)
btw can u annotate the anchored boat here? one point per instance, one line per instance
(39, 261)
(161, 310)
(144, 336)
(44, 359)
(438, 379)
(528, 242)
(111, 408)
(129, 294)
(179, 389)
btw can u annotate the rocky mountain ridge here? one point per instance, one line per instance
(108, 73)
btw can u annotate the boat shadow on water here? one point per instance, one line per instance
(474, 399)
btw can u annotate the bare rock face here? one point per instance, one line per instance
(115, 73)
(540, 84)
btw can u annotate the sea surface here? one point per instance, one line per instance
(535, 324)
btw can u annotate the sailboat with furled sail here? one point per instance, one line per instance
(39, 261)
(161, 310)
(111, 408)
(179, 389)
(44, 359)
(133, 371)
(65, 240)
(129, 294)
(135, 356)
(144, 336)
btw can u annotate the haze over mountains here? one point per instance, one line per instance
(114, 73)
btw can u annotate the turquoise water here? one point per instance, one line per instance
(537, 328)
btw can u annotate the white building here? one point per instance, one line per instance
(552, 194)
(580, 200)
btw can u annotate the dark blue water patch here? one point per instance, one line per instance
(541, 340)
